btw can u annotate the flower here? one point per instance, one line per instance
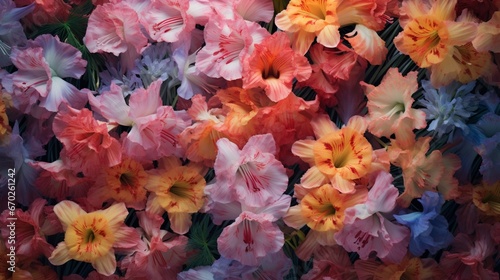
(430, 31)
(331, 262)
(156, 64)
(250, 238)
(338, 156)
(168, 20)
(11, 30)
(163, 254)
(177, 189)
(123, 182)
(273, 65)
(448, 107)
(227, 42)
(488, 35)
(92, 237)
(389, 107)
(45, 12)
(87, 143)
(42, 65)
(408, 268)
(310, 19)
(367, 230)
(486, 197)
(251, 176)
(429, 229)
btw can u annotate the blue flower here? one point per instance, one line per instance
(156, 64)
(429, 229)
(448, 107)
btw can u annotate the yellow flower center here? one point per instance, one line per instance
(487, 198)
(89, 237)
(345, 151)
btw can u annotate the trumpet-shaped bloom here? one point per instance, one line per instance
(429, 230)
(11, 30)
(273, 65)
(155, 128)
(32, 228)
(87, 143)
(163, 254)
(114, 28)
(42, 65)
(123, 182)
(389, 107)
(250, 238)
(366, 230)
(227, 42)
(92, 237)
(251, 176)
(168, 20)
(486, 197)
(338, 156)
(310, 19)
(177, 189)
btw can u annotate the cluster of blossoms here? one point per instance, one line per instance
(267, 121)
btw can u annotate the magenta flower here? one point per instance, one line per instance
(251, 176)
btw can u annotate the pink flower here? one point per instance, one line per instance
(32, 227)
(249, 10)
(115, 28)
(227, 42)
(162, 254)
(168, 20)
(273, 65)
(251, 176)
(331, 262)
(155, 128)
(87, 143)
(42, 65)
(250, 238)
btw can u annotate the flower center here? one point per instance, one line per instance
(89, 236)
(180, 189)
(128, 180)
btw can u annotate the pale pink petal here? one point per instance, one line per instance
(126, 239)
(111, 105)
(294, 217)
(145, 101)
(60, 255)
(116, 215)
(262, 143)
(62, 91)
(304, 150)
(67, 211)
(167, 20)
(255, 10)
(249, 239)
(322, 125)
(313, 178)
(367, 44)
(106, 265)
(329, 36)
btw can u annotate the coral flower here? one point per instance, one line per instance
(92, 237)
(123, 182)
(389, 107)
(430, 31)
(177, 189)
(338, 156)
(87, 143)
(273, 65)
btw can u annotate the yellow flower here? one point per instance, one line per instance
(177, 189)
(90, 237)
(339, 156)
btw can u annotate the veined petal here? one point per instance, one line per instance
(146, 101)
(322, 125)
(461, 33)
(106, 265)
(60, 255)
(228, 157)
(263, 143)
(116, 215)
(329, 36)
(111, 105)
(302, 40)
(367, 44)
(67, 211)
(180, 222)
(444, 9)
(294, 217)
(304, 150)
(62, 91)
(313, 178)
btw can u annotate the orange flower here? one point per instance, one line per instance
(338, 156)
(90, 237)
(430, 31)
(308, 19)
(121, 183)
(177, 189)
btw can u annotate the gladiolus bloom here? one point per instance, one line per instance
(92, 237)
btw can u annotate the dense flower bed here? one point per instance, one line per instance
(259, 139)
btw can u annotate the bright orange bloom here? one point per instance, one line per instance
(177, 189)
(430, 31)
(338, 156)
(90, 237)
(121, 183)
